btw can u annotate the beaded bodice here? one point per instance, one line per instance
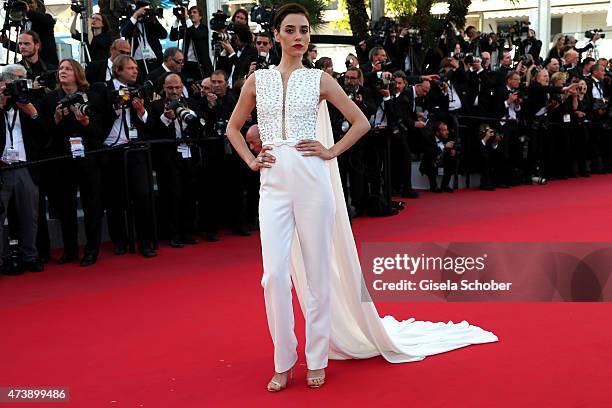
(287, 115)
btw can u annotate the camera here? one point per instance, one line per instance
(48, 79)
(77, 100)
(383, 83)
(124, 96)
(184, 114)
(77, 6)
(263, 16)
(15, 12)
(526, 60)
(179, 10)
(19, 90)
(351, 92)
(218, 37)
(590, 33)
(219, 21)
(262, 61)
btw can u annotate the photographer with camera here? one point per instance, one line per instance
(223, 171)
(124, 121)
(102, 71)
(174, 61)
(439, 151)
(351, 163)
(579, 129)
(592, 35)
(542, 98)
(506, 105)
(409, 50)
(176, 164)
(530, 46)
(39, 70)
(266, 56)
(43, 25)
(97, 39)
(22, 140)
(598, 98)
(406, 129)
(75, 126)
(195, 41)
(489, 157)
(143, 30)
(238, 54)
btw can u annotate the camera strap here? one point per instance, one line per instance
(11, 126)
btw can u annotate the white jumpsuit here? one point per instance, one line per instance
(295, 194)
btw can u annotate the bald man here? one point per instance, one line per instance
(253, 139)
(102, 71)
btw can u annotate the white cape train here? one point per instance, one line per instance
(357, 331)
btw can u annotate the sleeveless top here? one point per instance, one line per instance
(299, 110)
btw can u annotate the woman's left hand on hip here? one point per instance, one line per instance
(314, 148)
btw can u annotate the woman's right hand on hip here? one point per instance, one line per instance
(263, 159)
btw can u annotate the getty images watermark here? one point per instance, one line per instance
(487, 271)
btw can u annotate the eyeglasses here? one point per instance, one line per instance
(180, 62)
(262, 42)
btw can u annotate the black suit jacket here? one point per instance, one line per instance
(154, 32)
(35, 138)
(44, 25)
(103, 93)
(96, 71)
(68, 127)
(241, 64)
(199, 38)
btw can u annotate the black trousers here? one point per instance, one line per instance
(116, 201)
(176, 179)
(60, 181)
(401, 162)
(222, 194)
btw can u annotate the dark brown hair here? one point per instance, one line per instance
(285, 10)
(79, 74)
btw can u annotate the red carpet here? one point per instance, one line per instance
(188, 328)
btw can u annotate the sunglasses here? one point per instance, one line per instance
(262, 43)
(123, 52)
(180, 62)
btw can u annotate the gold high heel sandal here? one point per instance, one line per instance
(315, 382)
(275, 386)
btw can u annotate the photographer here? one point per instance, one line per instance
(238, 54)
(143, 30)
(43, 25)
(530, 46)
(195, 43)
(593, 36)
(223, 171)
(174, 61)
(439, 152)
(29, 47)
(266, 56)
(598, 94)
(507, 103)
(351, 163)
(175, 163)
(124, 122)
(579, 129)
(70, 117)
(98, 38)
(102, 71)
(407, 136)
(489, 157)
(539, 102)
(23, 136)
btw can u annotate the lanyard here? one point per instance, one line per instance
(12, 125)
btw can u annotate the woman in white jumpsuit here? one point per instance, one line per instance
(304, 224)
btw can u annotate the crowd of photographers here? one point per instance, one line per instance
(138, 116)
